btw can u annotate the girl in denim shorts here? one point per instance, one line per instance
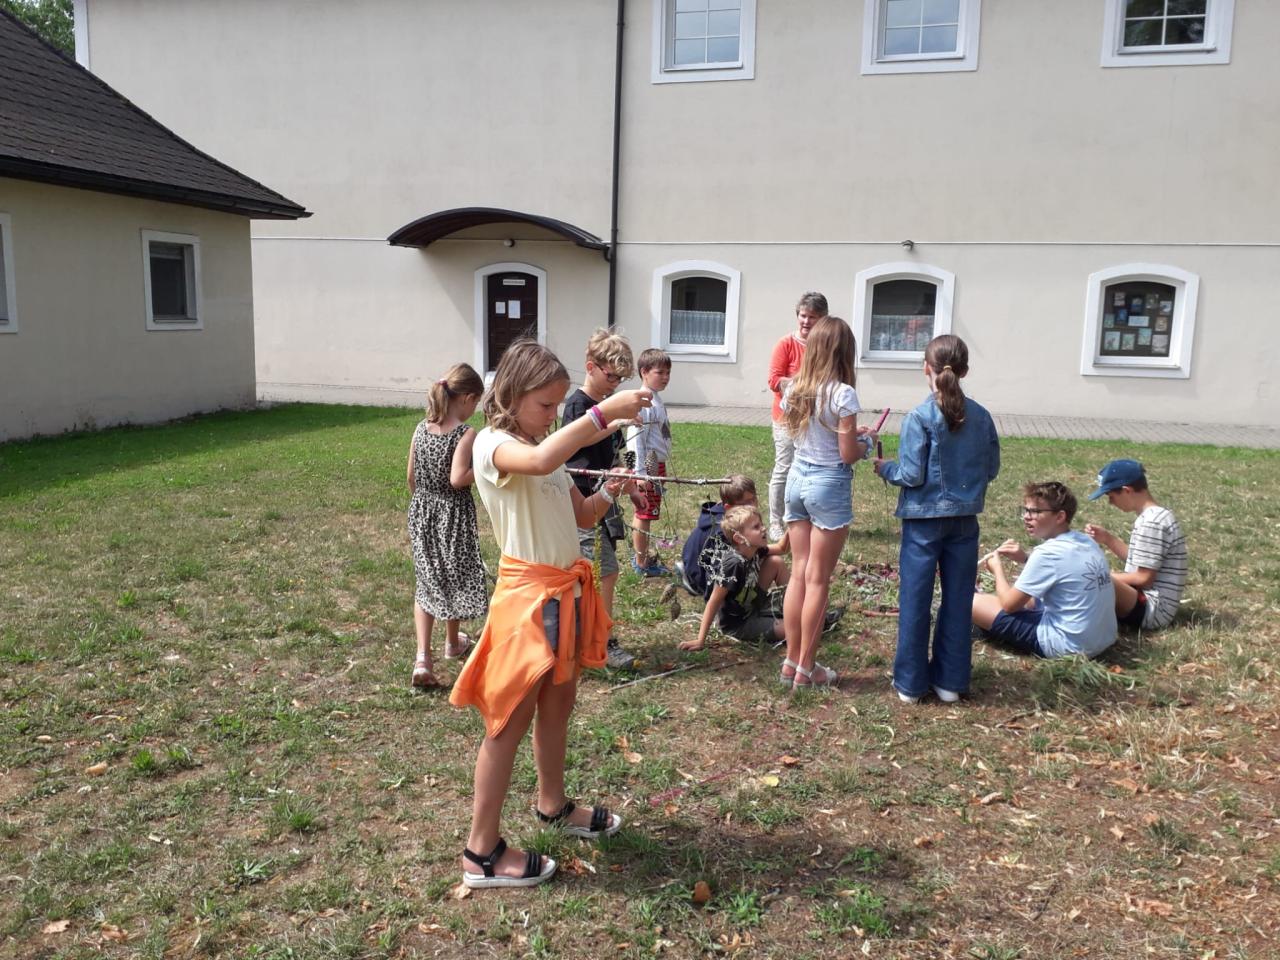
(948, 452)
(820, 409)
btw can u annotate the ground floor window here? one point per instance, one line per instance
(898, 308)
(695, 310)
(8, 301)
(171, 274)
(1139, 321)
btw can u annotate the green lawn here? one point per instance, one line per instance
(209, 747)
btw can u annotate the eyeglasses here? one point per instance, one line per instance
(611, 377)
(1035, 511)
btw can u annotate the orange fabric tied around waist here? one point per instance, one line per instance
(513, 654)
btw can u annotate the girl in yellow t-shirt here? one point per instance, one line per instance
(546, 621)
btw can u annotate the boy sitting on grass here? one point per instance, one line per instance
(1067, 577)
(1155, 559)
(740, 567)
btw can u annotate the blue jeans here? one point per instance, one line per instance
(948, 545)
(820, 493)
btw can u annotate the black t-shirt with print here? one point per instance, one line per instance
(600, 455)
(726, 567)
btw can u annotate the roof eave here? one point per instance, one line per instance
(126, 186)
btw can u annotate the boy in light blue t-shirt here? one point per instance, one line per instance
(1067, 577)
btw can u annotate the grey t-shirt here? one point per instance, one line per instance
(1157, 543)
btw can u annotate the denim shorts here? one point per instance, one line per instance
(822, 494)
(608, 553)
(1018, 630)
(551, 621)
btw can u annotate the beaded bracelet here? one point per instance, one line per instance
(597, 418)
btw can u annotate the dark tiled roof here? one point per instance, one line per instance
(426, 230)
(61, 124)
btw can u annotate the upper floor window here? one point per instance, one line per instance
(1167, 32)
(695, 310)
(898, 308)
(703, 40)
(920, 36)
(171, 281)
(1139, 321)
(8, 299)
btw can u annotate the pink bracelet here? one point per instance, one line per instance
(597, 418)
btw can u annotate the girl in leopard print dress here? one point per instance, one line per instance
(442, 519)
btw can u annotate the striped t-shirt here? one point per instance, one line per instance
(1157, 544)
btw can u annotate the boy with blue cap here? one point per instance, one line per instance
(1155, 559)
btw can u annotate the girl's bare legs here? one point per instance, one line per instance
(452, 645)
(824, 551)
(423, 625)
(793, 603)
(492, 779)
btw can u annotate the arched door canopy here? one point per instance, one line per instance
(426, 230)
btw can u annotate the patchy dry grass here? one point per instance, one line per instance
(209, 746)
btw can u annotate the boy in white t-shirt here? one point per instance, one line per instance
(651, 445)
(1155, 559)
(1067, 577)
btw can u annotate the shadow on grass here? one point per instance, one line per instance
(43, 463)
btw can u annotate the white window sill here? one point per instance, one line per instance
(904, 361)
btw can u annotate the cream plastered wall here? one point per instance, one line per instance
(380, 323)
(1021, 310)
(82, 356)
(373, 114)
(1021, 177)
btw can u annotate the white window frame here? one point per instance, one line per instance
(666, 72)
(660, 311)
(480, 328)
(193, 279)
(1176, 366)
(964, 58)
(944, 280)
(6, 268)
(1216, 47)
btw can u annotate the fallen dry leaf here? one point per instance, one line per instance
(701, 892)
(991, 798)
(769, 780)
(925, 841)
(1157, 907)
(461, 892)
(1127, 784)
(111, 932)
(425, 927)
(1117, 833)
(671, 809)
(55, 926)
(632, 757)
(787, 760)
(44, 738)
(97, 770)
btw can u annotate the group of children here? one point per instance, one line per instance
(558, 533)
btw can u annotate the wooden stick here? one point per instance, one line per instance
(679, 669)
(620, 475)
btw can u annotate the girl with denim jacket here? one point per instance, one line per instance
(948, 452)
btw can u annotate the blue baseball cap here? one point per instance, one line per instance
(1117, 474)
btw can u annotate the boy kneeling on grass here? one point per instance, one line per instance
(1066, 576)
(741, 566)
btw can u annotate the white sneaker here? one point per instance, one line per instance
(905, 698)
(946, 696)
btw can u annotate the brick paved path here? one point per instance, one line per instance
(1021, 425)
(1009, 424)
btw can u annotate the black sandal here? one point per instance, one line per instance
(603, 823)
(537, 869)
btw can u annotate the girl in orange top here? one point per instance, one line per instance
(546, 620)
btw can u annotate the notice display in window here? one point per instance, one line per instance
(1137, 319)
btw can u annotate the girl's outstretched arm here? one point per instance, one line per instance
(461, 473)
(851, 447)
(558, 447)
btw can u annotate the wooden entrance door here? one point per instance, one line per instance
(511, 312)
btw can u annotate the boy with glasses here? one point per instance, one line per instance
(1063, 603)
(609, 362)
